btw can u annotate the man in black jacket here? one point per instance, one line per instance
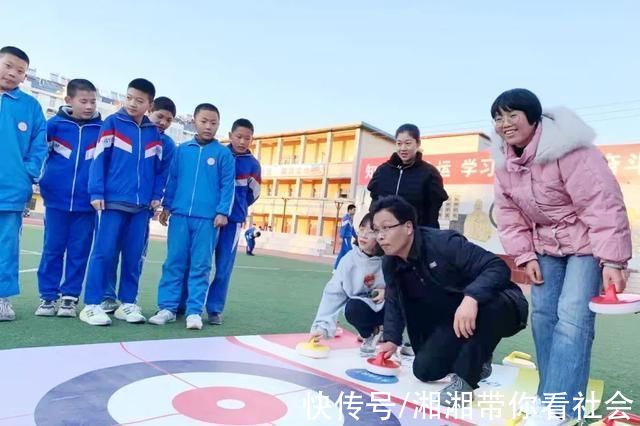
(455, 298)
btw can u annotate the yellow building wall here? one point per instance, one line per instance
(454, 144)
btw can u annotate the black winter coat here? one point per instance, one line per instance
(446, 259)
(419, 183)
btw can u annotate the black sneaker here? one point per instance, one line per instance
(215, 319)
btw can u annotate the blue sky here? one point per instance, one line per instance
(290, 65)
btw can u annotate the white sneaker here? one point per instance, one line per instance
(545, 418)
(368, 347)
(194, 322)
(68, 306)
(163, 317)
(6, 310)
(47, 308)
(131, 313)
(94, 315)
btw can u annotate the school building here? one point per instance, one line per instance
(309, 177)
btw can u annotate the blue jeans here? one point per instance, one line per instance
(563, 325)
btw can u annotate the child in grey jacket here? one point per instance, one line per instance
(358, 286)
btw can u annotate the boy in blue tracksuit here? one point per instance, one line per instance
(69, 218)
(125, 181)
(23, 134)
(248, 178)
(199, 198)
(163, 111)
(347, 233)
(250, 236)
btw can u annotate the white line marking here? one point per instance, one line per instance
(28, 270)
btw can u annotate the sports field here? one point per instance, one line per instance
(271, 295)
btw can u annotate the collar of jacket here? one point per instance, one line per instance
(396, 161)
(14, 94)
(238, 154)
(195, 142)
(123, 115)
(64, 112)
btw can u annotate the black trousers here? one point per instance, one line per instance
(438, 350)
(362, 317)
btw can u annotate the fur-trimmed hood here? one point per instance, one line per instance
(562, 132)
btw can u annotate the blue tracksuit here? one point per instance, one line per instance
(248, 178)
(69, 218)
(23, 135)
(126, 173)
(168, 149)
(250, 238)
(347, 232)
(200, 187)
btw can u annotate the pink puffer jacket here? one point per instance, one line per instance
(560, 197)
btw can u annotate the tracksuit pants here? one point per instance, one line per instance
(111, 293)
(117, 229)
(10, 228)
(225, 255)
(190, 245)
(67, 240)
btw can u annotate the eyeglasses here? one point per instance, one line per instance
(512, 117)
(385, 229)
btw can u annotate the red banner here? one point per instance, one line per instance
(477, 168)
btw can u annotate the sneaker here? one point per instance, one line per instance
(407, 350)
(368, 347)
(109, 306)
(68, 306)
(487, 369)
(94, 315)
(194, 322)
(163, 317)
(6, 310)
(456, 393)
(47, 308)
(215, 319)
(546, 418)
(131, 313)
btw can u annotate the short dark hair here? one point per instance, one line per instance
(351, 206)
(144, 86)
(79, 84)
(412, 129)
(518, 100)
(206, 107)
(367, 219)
(242, 122)
(164, 103)
(398, 207)
(18, 53)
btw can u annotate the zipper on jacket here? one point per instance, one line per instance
(138, 168)
(399, 179)
(75, 170)
(195, 180)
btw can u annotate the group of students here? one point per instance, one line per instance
(102, 182)
(560, 215)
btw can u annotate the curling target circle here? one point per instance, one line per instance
(198, 392)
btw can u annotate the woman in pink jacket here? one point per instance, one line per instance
(561, 215)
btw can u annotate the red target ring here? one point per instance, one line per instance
(229, 405)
